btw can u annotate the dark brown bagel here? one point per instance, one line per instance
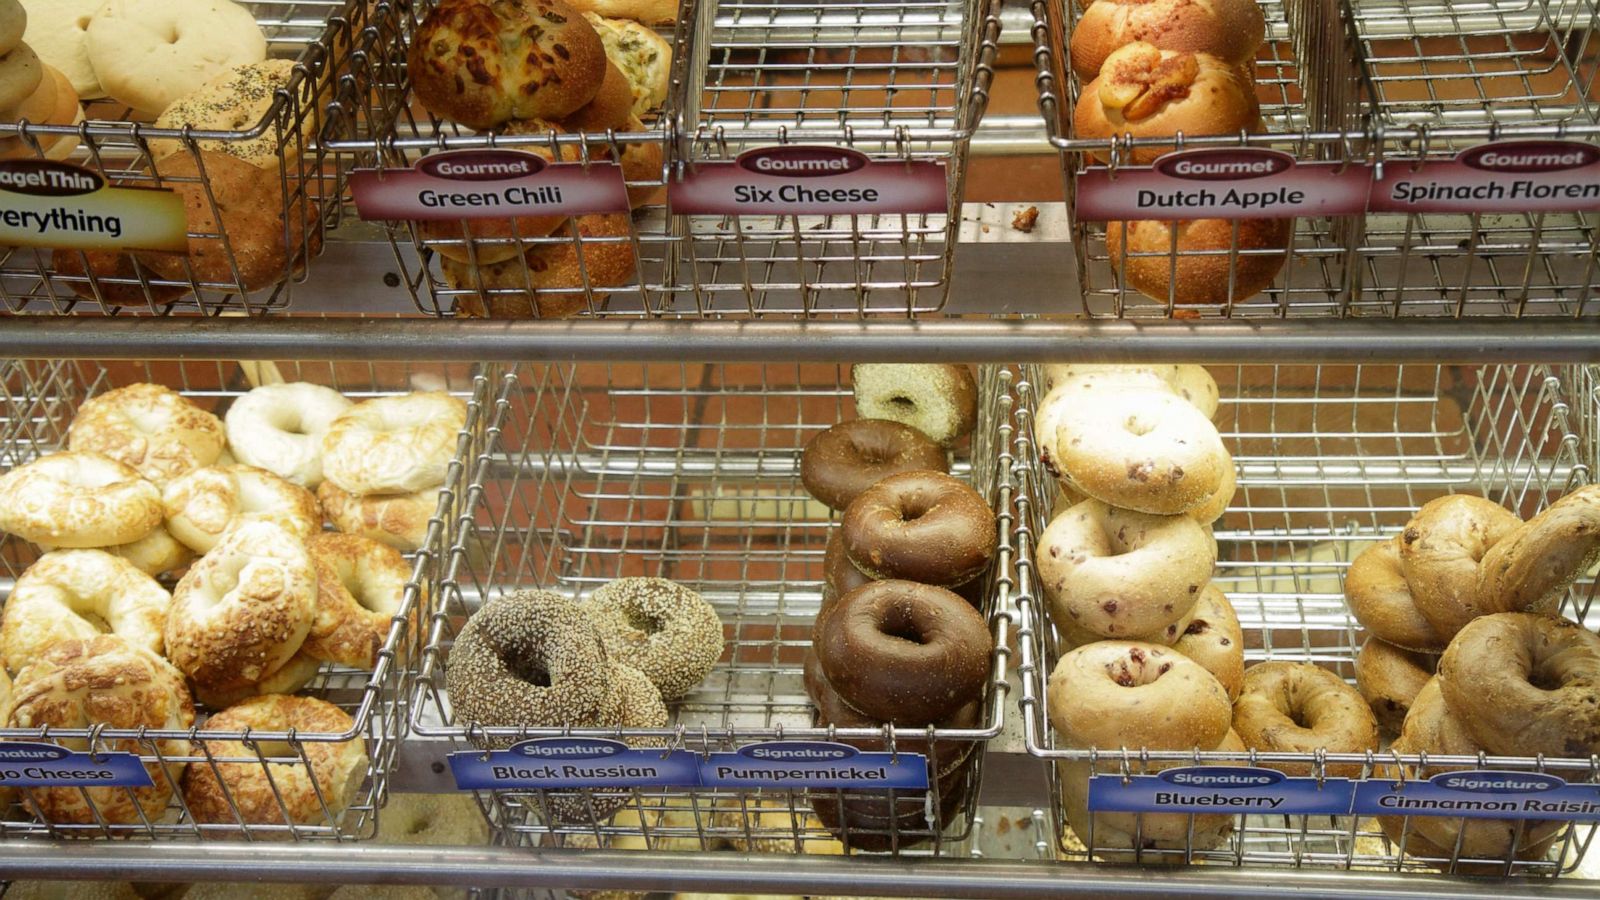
(904, 652)
(920, 526)
(850, 457)
(840, 576)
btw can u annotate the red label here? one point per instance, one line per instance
(804, 180)
(1503, 176)
(488, 184)
(1224, 183)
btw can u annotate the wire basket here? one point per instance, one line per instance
(584, 474)
(38, 401)
(899, 82)
(1331, 459)
(322, 38)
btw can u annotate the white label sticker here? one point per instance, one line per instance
(1226, 183)
(1503, 176)
(488, 184)
(804, 180)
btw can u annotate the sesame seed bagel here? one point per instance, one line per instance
(661, 628)
(393, 445)
(279, 427)
(1530, 569)
(76, 595)
(840, 463)
(103, 680)
(1118, 573)
(313, 790)
(1440, 550)
(939, 400)
(153, 429)
(1128, 694)
(1524, 684)
(1379, 597)
(1279, 696)
(78, 500)
(244, 609)
(1144, 450)
(921, 526)
(530, 658)
(202, 505)
(361, 588)
(396, 520)
(1389, 678)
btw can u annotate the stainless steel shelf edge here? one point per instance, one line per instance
(951, 340)
(733, 873)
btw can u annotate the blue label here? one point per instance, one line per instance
(1220, 789)
(573, 763)
(1482, 795)
(27, 764)
(815, 764)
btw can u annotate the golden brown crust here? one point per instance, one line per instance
(299, 671)
(481, 63)
(78, 499)
(248, 211)
(103, 680)
(202, 505)
(397, 520)
(1390, 678)
(1214, 639)
(1220, 276)
(1147, 92)
(244, 609)
(503, 290)
(1278, 696)
(1530, 569)
(1228, 29)
(1376, 591)
(336, 768)
(490, 241)
(76, 595)
(610, 109)
(361, 587)
(115, 275)
(238, 99)
(1440, 550)
(1114, 694)
(151, 428)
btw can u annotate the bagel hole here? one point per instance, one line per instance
(530, 671)
(1298, 717)
(914, 508)
(898, 624)
(1544, 679)
(903, 404)
(100, 624)
(1136, 426)
(642, 622)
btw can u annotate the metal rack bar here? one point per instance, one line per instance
(949, 340)
(745, 873)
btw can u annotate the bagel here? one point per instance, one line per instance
(1228, 29)
(21, 73)
(1440, 550)
(1193, 383)
(244, 609)
(1206, 262)
(1118, 573)
(314, 788)
(396, 520)
(148, 53)
(1148, 92)
(922, 526)
(439, 819)
(1142, 450)
(838, 464)
(154, 554)
(78, 594)
(104, 681)
(663, 629)
(279, 428)
(1214, 639)
(1530, 569)
(1389, 678)
(58, 31)
(939, 400)
(236, 219)
(361, 590)
(290, 678)
(839, 575)
(240, 99)
(78, 500)
(1155, 831)
(642, 55)
(150, 428)
(393, 445)
(479, 245)
(610, 109)
(202, 505)
(1114, 694)
(554, 279)
(1525, 684)
(1380, 599)
(904, 652)
(1290, 707)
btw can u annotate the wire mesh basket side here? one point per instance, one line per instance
(279, 784)
(902, 83)
(583, 474)
(1329, 460)
(228, 270)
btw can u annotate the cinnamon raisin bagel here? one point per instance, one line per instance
(1530, 569)
(1302, 708)
(1440, 550)
(841, 462)
(1389, 678)
(1380, 599)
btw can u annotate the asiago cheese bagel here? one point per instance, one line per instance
(1440, 550)
(279, 428)
(1376, 590)
(1119, 573)
(202, 505)
(397, 520)
(393, 445)
(361, 588)
(1288, 707)
(1525, 684)
(78, 499)
(1390, 677)
(153, 429)
(1114, 694)
(1143, 450)
(76, 594)
(1530, 569)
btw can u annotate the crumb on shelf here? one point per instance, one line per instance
(1024, 219)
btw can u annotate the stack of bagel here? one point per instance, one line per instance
(899, 639)
(1155, 69)
(543, 67)
(32, 91)
(146, 488)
